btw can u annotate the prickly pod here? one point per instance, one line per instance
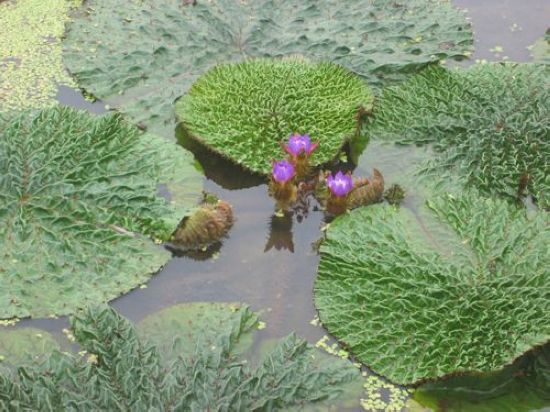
(394, 195)
(367, 192)
(208, 224)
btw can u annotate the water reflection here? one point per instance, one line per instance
(216, 168)
(280, 233)
(209, 252)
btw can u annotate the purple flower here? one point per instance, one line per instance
(298, 144)
(340, 184)
(282, 171)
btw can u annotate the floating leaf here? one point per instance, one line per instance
(489, 125)
(348, 399)
(541, 49)
(141, 56)
(76, 195)
(456, 284)
(126, 373)
(259, 103)
(180, 330)
(521, 387)
(25, 345)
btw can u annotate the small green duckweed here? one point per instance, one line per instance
(31, 67)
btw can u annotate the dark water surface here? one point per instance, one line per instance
(269, 262)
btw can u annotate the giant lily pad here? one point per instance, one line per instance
(178, 329)
(77, 194)
(259, 103)
(127, 373)
(521, 387)
(141, 56)
(31, 67)
(457, 284)
(489, 125)
(25, 345)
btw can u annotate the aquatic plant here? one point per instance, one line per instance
(300, 148)
(79, 197)
(367, 191)
(282, 186)
(540, 50)
(258, 101)
(339, 186)
(521, 387)
(347, 193)
(31, 67)
(282, 172)
(206, 225)
(139, 57)
(24, 346)
(299, 145)
(456, 285)
(395, 194)
(123, 371)
(488, 125)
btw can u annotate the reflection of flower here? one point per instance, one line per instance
(299, 144)
(280, 233)
(282, 171)
(340, 184)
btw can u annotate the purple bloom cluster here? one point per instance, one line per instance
(282, 171)
(298, 144)
(340, 184)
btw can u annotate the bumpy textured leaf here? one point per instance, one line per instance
(521, 387)
(73, 190)
(141, 55)
(244, 110)
(123, 373)
(490, 125)
(458, 284)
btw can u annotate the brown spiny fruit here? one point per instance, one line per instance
(366, 192)
(394, 195)
(208, 224)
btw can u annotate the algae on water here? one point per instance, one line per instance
(31, 66)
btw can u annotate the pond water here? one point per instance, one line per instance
(270, 262)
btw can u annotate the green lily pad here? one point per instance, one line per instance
(456, 284)
(141, 56)
(259, 103)
(25, 345)
(124, 372)
(77, 195)
(521, 387)
(488, 124)
(31, 66)
(350, 395)
(179, 329)
(541, 49)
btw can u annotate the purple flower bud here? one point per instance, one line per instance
(340, 184)
(298, 144)
(282, 171)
